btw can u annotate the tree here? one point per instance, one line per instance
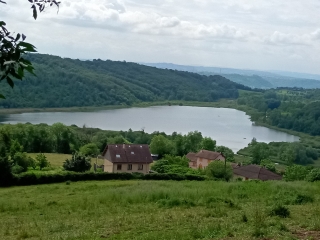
(77, 163)
(15, 148)
(161, 145)
(218, 170)
(208, 144)
(89, 149)
(42, 161)
(227, 152)
(13, 48)
(259, 151)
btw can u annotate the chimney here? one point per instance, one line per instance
(123, 146)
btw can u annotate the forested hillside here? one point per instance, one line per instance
(74, 83)
(294, 109)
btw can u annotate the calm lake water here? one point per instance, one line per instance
(229, 127)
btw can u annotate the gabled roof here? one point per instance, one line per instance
(256, 172)
(208, 154)
(128, 153)
(192, 156)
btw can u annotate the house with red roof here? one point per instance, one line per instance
(203, 158)
(127, 158)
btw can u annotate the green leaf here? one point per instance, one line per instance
(10, 82)
(1, 96)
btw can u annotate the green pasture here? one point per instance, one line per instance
(160, 210)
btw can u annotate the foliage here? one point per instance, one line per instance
(22, 160)
(90, 149)
(295, 109)
(77, 163)
(173, 164)
(268, 165)
(208, 144)
(15, 147)
(295, 173)
(259, 151)
(227, 152)
(219, 170)
(29, 178)
(280, 211)
(281, 152)
(13, 48)
(42, 161)
(313, 175)
(101, 83)
(161, 145)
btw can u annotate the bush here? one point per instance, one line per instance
(295, 173)
(77, 163)
(16, 169)
(219, 170)
(313, 175)
(42, 161)
(280, 211)
(22, 160)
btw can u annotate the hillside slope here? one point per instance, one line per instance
(73, 83)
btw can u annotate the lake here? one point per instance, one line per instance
(229, 127)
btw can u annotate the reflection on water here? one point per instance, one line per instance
(229, 127)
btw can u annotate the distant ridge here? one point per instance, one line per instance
(251, 78)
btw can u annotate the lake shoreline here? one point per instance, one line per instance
(224, 103)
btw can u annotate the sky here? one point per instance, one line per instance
(247, 34)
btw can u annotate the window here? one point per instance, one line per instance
(132, 153)
(129, 166)
(118, 156)
(119, 167)
(140, 167)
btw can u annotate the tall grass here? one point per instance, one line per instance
(157, 210)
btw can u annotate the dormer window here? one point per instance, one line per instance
(132, 153)
(118, 156)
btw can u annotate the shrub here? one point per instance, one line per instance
(295, 173)
(22, 160)
(302, 199)
(77, 163)
(280, 211)
(32, 163)
(42, 161)
(313, 175)
(16, 169)
(219, 170)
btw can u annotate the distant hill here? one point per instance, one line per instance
(252, 78)
(63, 82)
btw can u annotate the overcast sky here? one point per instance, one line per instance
(250, 34)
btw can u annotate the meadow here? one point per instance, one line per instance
(161, 210)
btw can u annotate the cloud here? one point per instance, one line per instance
(230, 33)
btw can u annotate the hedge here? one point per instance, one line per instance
(26, 179)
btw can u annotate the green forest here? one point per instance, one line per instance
(63, 82)
(294, 109)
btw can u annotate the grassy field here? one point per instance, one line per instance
(56, 159)
(160, 210)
